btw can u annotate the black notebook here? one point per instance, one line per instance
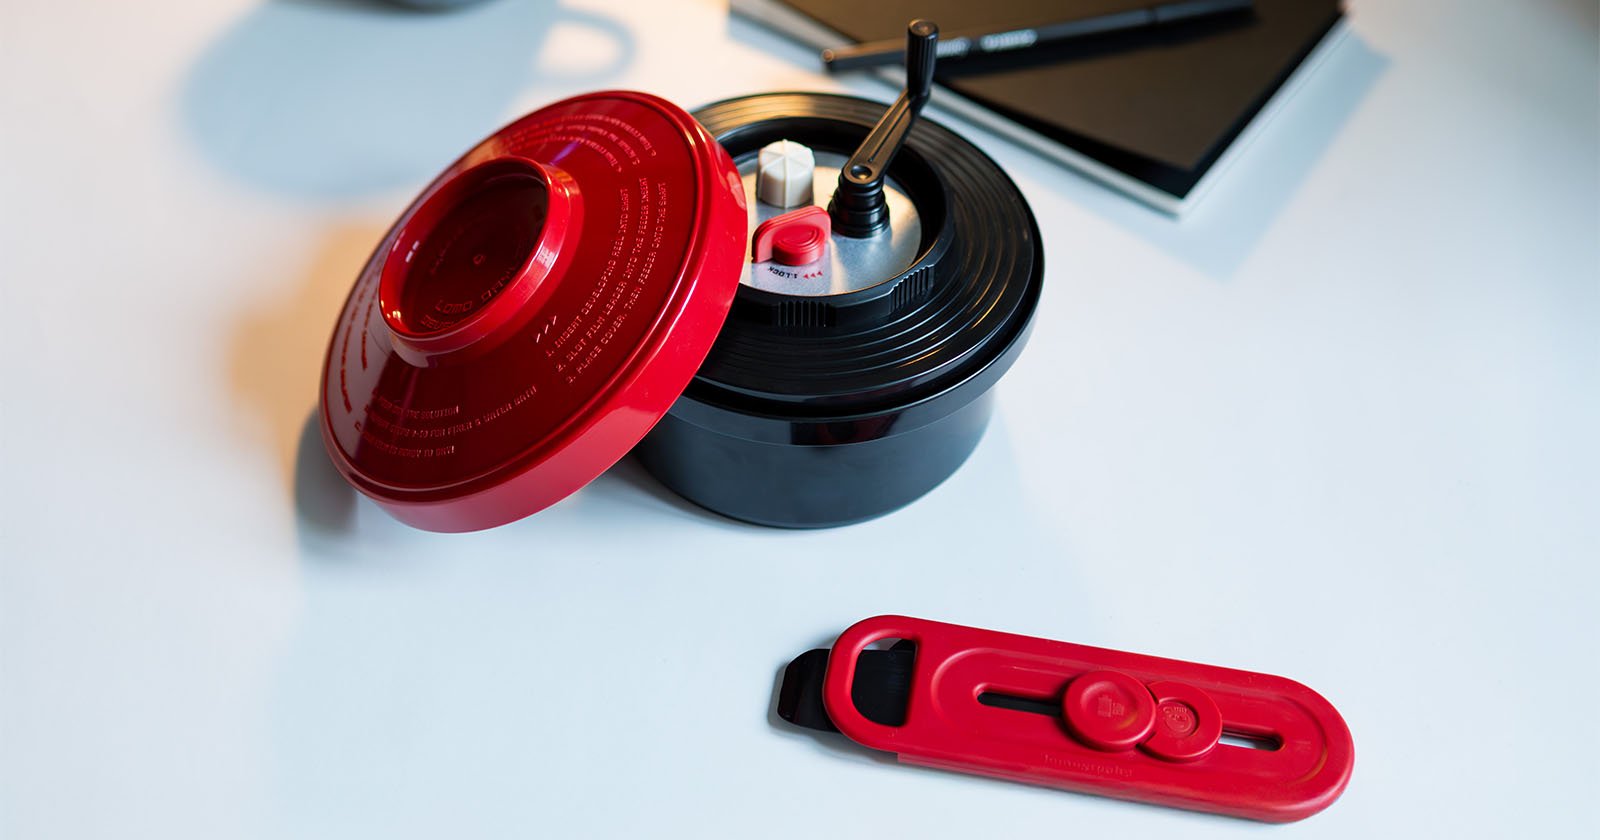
(1152, 112)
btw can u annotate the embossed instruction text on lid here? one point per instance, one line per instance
(534, 312)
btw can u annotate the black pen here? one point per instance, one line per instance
(954, 46)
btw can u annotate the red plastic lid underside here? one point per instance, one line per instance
(534, 312)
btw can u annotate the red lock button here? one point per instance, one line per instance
(799, 237)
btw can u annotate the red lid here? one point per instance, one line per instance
(534, 312)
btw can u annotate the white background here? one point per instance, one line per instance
(1339, 425)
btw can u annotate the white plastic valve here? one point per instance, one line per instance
(784, 174)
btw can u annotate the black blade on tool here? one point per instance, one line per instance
(881, 690)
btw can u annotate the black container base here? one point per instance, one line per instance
(810, 485)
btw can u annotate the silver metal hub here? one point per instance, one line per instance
(851, 264)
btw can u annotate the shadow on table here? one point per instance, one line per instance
(274, 363)
(342, 98)
(1223, 228)
(324, 503)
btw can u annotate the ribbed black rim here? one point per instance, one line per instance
(985, 283)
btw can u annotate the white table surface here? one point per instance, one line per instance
(1339, 425)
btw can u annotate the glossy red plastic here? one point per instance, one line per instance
(1188, 722)
(1300, 762)
(536, 310)
(1109, 710)
(798, 237)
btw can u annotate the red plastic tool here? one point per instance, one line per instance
(1131, 727)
